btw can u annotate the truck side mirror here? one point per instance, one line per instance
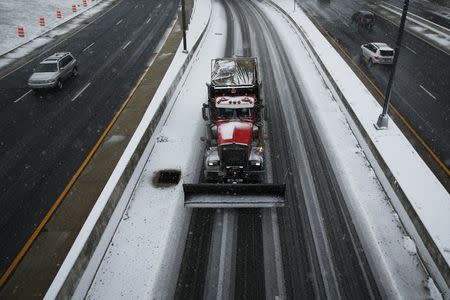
(204, 112)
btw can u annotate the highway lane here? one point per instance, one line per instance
(44, 138)
(421, 88)
(228, 253)
(321, 253)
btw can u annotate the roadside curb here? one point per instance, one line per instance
(76, 262)
(432, 248)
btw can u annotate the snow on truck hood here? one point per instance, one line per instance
(235, 132)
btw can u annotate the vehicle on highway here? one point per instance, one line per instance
(364, 19)
(377, 53)
(53, 71)
(234, 165)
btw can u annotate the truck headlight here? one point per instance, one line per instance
(212, 163)
(255, 163)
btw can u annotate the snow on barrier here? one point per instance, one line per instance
(14, 49)
(415, 192)
(81, 254)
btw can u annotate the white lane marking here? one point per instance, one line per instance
(80, 92)
(120, 21)
(88, 47)
(411, 50)
(428, 92)
(149, 19)
(23, 96)
(126, 45)
(223, 241)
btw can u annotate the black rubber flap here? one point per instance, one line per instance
(212, 195)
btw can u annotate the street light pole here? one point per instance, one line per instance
(183, 21)
(382, 122)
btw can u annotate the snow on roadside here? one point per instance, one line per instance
(26, 13)
(390, 252)
(163, 228)
(426, 194)
(145, 239)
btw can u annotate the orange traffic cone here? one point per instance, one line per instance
(58, 14)
(42, 21)
(20, 31)
(74, 8)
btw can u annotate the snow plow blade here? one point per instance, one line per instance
(212, 195)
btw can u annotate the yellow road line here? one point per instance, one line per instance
(66, 190)
(396, 112)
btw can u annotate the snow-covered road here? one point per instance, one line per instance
(338, 208)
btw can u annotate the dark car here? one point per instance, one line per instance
(363, 18)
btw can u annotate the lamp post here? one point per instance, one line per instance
(183, 21)
(383, 119)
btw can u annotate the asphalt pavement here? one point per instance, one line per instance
(321, 253)
(421, 89)
(44, 138)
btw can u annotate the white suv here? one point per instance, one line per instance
(377, 53)
(52, 71)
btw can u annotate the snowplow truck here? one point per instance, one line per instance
(234, 162)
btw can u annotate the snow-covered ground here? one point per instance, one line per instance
(428, 197)
(426, 30)
(26, 13)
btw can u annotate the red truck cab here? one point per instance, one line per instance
(235, 143)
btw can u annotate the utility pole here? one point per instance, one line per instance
(183, 21)
(383, 119)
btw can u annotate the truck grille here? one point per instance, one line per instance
(234, 155)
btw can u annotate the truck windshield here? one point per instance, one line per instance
(233, 113)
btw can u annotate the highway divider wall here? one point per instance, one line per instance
(395, 184)
(68, 278)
